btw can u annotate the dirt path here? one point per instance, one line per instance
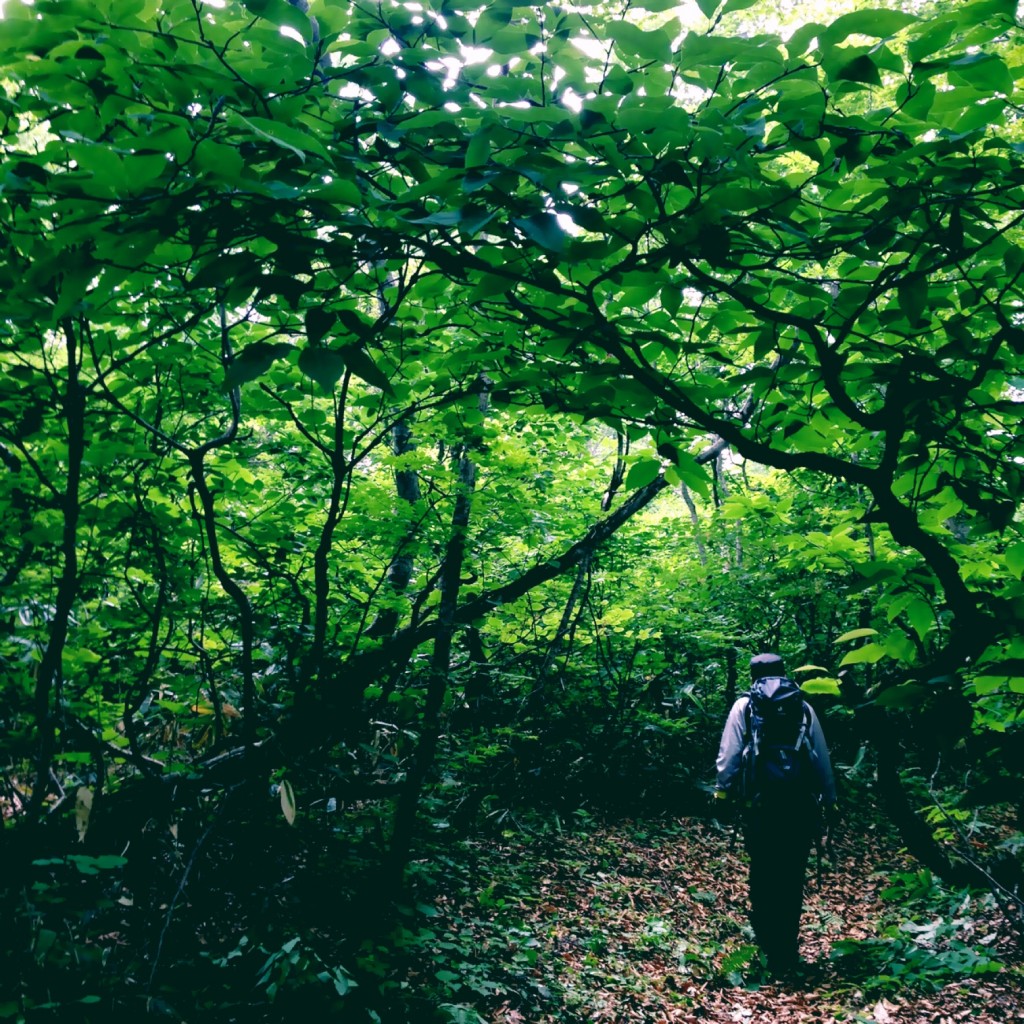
(647, 923)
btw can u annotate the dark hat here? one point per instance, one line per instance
(766, 664)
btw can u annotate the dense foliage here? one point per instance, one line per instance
(415, 413)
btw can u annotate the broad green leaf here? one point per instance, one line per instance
(224, 271)
(904, 695)
(912, 295)
(287, 137)
(1009, 668)
(478, 151)
(985, 685)
(280, 12)
(866, 655)
(618, 81)
(340, 190)
(983, 10)
(542, 228)
(319, 322)
(642, 473)
(323, 365)
(821, 684)
(918, 103)
(1015, 559)
(694, 474)
(856, 634)
(648, 44)
(930, 41)
(363, 366)
(983, 71)
(876, 23)
(254, 360)
(708, 7)
(860, 69)
(737, 5)
(921, 616)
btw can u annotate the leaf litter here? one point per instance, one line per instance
(646, 922)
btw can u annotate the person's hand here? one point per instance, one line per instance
(723, 806)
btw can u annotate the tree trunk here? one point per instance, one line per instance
(49, 679)
(404, 828)
(196, 461)
(400, 569)
(914, 832)
(321, 558)
(731, 675)
(702, 553)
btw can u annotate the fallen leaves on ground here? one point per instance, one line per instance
(634, 922)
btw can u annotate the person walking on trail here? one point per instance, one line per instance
(774, 763)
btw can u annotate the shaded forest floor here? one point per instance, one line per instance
(646, 922)
(635, 921)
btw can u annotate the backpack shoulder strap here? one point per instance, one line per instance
(803, 737)
(748, 716)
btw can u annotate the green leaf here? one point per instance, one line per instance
(254, 360)
(363, 366)
(708, 7)
(912, 295)
(983, 71)
(618, 81)
(323, 366)
(930, 41)
(737, 5)
(866, 655)
(822, 684)
(879, 24)
(693, 474)
(478, 151)
(319, 322)
(860, 69)
(280, 12)
(856, 634)
(107, 861)
(905, 695)
(1015, 559)
(649, 44)
(225, 271)
(921, 616)
(287, 137)
(642, 473)
(1009, 668)
(340, 190)
(542, 228)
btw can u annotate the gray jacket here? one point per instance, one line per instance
(730, 751)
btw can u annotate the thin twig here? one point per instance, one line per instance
(196, 850)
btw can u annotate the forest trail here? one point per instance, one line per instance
(636, 922)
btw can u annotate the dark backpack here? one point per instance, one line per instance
(778, 764)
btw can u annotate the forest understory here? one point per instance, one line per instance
(414, 415)
(539, 919)
(646, 921)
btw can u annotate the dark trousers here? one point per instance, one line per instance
(778, 844)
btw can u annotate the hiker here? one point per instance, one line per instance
(773, 762)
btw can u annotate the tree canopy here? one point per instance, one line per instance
(346, 348)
